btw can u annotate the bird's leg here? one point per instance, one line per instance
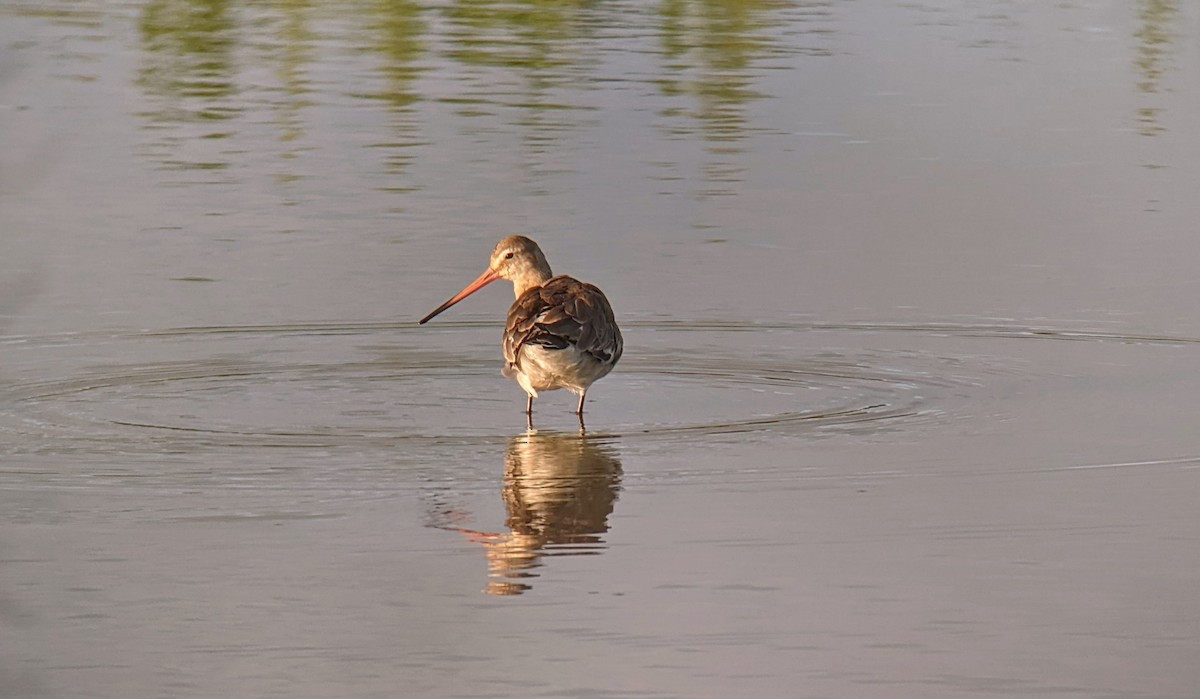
(529, 410)
(579, 410)
(582, 427)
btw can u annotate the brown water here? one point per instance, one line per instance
(907, 407)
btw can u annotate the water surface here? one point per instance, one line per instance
(906, 407)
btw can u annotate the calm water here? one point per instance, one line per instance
(907, 407)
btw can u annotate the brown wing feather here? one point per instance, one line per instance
(561, 311)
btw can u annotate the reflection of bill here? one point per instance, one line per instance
(559, 490)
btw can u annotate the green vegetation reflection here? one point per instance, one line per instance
(540, 67)
(1154, 37)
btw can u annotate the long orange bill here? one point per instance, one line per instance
(484, 279)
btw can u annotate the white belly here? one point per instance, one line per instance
(542, 369)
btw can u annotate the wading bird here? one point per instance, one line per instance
(560, 332)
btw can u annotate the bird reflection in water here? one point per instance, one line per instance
(559, 490)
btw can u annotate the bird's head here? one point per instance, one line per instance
(517, 259)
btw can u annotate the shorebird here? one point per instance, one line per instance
(560, 332)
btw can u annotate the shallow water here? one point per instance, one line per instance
(906, 407)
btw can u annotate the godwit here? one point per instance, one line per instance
(560, 332)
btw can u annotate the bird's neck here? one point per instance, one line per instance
(530, 279)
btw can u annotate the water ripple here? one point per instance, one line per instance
(387, 385)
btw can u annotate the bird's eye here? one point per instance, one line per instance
(508, 256)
